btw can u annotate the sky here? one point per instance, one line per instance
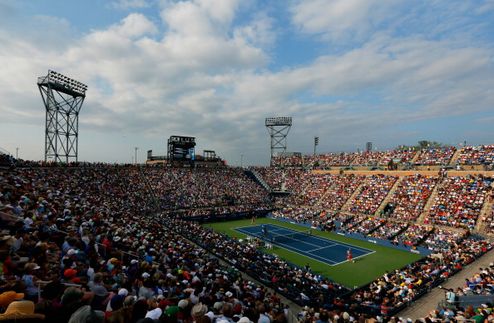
(391, 72)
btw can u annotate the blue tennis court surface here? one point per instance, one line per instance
(325, 250)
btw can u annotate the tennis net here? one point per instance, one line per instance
(290, 236)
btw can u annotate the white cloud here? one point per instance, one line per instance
(259, 31)
(135, 25)
(419, 78)
(340, 19)
(200, 17)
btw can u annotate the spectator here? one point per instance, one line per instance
(411, 195)
(435, 156)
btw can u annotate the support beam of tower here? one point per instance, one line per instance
(63, 98)
(278, 128)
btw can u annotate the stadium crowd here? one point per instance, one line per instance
(443, 239)
(388, 230)
(184, 188)
(411, 195)
(459, 201)
(300, 214)
(371, 194)
(278, 179)
(289, 161)
(368, 157)
(455, 309)
(432, 156)
(435, 156)
(340, 192)
(398, 288)
(272, 176)
(326, 161)
(414, 235)
(405, 155)
(84, 234)
(362, 224)
(315, 187)
(86, 242)
(476, 155)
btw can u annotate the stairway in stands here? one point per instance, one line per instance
(455, 157)
(484, 213)
(429, 203)
(414, 159)
(257, 178)
(323, 196)
(389, 196)
(150, 192)
(347, 204)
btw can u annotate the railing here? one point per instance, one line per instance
(475, 300)
(291, 317)
(46, 282)
(258, 178)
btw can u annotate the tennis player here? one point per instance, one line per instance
(349, 255)
(264, 230)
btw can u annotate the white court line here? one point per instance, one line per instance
(302, 241)
(253, 226)
(254, 234)
(247, 226)
(322, 260)
(339, 263)
(338, 242)
(334, 244)
(275, 230)
(326, 261)
(290, 238)
(280, 243)
(279, 228)
(305, 253)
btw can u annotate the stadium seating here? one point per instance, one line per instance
(280, 179)
(180, 188)
(411, 195)
(326, 161)
(368, 157)
(401, 155)
(340, 192)
(435, 156)
(95, 227)
(372, 193)
(78, 227)
(297, 214)
(476, 155)
(363, 225)
(388, 230)
(459, 201)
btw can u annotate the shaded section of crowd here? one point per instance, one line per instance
(83, 245)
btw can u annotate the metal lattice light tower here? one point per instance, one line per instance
(278, 128)
(63, 98)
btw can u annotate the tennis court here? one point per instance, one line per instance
(302, 242)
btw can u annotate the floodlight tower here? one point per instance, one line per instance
(278, 128)
(63, 98)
